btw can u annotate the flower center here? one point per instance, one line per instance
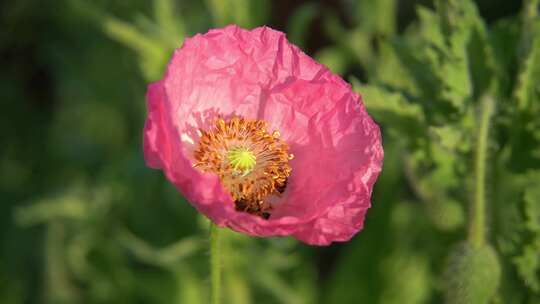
(242, 159)
(251, 163)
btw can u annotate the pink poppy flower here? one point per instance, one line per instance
(261, 138)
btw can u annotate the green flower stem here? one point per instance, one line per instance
(477, 228)
(215, 263)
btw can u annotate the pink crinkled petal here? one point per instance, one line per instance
(258, 74)
(163, 149)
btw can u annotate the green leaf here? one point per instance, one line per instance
(373, 20)
(527, 89)
(457, 23)
(451, 137)
(167, 20)
(528, 259)
(245, 13)
(191, 289)
(152, 52)
(517, 229)
(65, 208)
(59, 287)
(297, 28)
(433, 176)
(129, 35)
(430, 28)
(392, 72)
(450, 58)
(414, 289)
(391, 109)
(504, 37)
(524, 105)
(237, 288)
(70, 205)
(377, 17)
(167, 256)
(422, 84)
(334, 58)
(531, 198)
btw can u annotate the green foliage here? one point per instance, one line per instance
(528, 261)
(392, 106)
(518, 225)
(526, 91)
(298, 27)
(427, 92)
(373, 19)
(245, 13)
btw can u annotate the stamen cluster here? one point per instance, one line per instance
(251, 163)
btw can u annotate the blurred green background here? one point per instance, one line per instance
(455, 86)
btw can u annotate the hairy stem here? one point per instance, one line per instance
(215, 264)
(477, 228)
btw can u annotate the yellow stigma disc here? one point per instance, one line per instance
(242, 159)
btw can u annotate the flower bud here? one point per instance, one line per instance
(472, 275)
(446, 215)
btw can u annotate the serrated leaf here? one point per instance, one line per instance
(430, 29)
(432, 175)
(391, 109)
(503, 38)
(443, 175)
(527, 264)
(528, 259)
(457, 24)
(450, 137)
(527, 89)
(423, 74)
(532, 204)
(373, 20)
(391, 72)
(517, 228)
(525, 136)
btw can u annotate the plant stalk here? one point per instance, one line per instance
(215, 264)
(477, 228)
